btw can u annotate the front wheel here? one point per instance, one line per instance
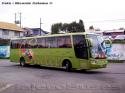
(68, 66)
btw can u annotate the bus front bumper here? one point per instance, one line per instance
(98, 64)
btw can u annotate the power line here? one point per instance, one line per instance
(115, 20)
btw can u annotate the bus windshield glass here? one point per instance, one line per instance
(98, 49)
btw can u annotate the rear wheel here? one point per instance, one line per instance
(22, 62)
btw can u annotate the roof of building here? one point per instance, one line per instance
(27, 29)
(114, 30)
(10, 26)
(34, 29)
(38, 29)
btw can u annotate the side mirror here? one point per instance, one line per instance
(108, 43)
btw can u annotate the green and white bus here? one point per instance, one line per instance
(70, 51)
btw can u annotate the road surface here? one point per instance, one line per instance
(34, 79)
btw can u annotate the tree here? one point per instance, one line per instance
(65, 27)
(121, 28)
(56, 28)
(76, 27)
(71, 27)
(81, 24)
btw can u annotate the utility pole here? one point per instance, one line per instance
(40, 27)
(19, 19)
(15, 19)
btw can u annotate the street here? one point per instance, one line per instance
(35, 79)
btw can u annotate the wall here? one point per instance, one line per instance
(0, 33)
(117, 52)
(11, 34)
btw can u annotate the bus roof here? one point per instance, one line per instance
(52, 35)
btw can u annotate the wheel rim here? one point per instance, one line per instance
(22, 63)
(67, 67)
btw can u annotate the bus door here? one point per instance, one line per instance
(81, 51)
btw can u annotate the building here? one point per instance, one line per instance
(113, 33)
(34, 32)
(99, 32)
(10, 30)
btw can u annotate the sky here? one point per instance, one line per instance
(103, 14)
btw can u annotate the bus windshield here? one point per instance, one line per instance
(98, 49)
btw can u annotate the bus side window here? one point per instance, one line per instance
(15, 44)
(51, 42)
(64, 42)
(41, 42)
(23, 43)
(60, 41)
(12, 44)
(68, 42)
(32, 43)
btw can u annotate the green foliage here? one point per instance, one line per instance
(55, 28)
(65, 27)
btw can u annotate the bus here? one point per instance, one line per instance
(70, 51)
(4, 48)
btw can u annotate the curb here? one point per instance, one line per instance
(116, 61)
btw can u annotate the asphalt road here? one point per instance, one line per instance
(34, 79)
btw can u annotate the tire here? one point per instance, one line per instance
(22, 62)
(68, 66)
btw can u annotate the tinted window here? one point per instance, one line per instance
(47, 42)
(41, 42)
(23, 43)
(64, 42)
(80, 46)
(51, 42)
(16, 44)
(31, 43)
(12, 44)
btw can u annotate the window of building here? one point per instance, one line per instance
(17, 33)
(5, 32)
